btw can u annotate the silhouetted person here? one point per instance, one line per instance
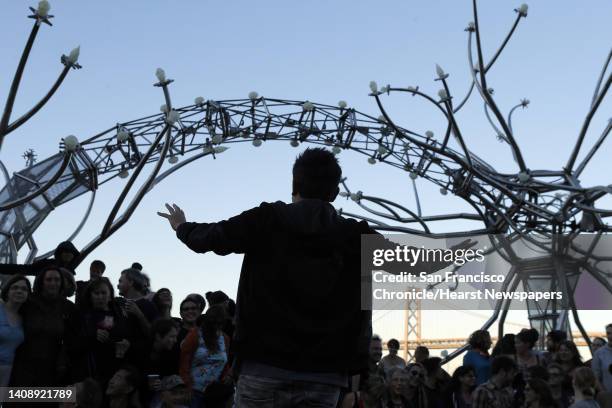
(96, 270)
(299, 295)
(65, 256)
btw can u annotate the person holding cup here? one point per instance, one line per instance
(110, 332)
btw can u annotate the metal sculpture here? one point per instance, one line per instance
(546, 209)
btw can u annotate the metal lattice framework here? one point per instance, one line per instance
(545, 209)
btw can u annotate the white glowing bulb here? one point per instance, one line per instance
(294, 143)
(257, 142)
(373, 87)
(344, 194)
(216, 139)
(471, 26)
(429, 134)
(163, 108)
(160, 74)
(73, 57)
(220, 149)
(382, 149)
(440, 72)
(199, 101)
(523, 177)
(371, 160)
(412, 89)
(71, 143)
(122, 136)
(173, 160)
(381, 118)
(442, 94)
(253, 95)
(356, 196)
(307, 106)
(173, 117)
(444, 353)
(43, 8)
(413, 175)
(342, 104)
(443, 191)
(384, 89)
(123, 174)
(336, 150)
(522, 10)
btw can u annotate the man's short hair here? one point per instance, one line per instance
(422, 349)
(98, 264)
(316, 174)
(502, 363)
(608, 326)
(376, 337)
(393, 344)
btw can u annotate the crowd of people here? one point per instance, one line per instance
(512, 375)
(116, 351)
(128, 351)
(296, 336)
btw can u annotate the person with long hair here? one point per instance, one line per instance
(584, 383)
(462, 386)
(51, 333)
(110, 333)
(526, 357)
(372, 396)
(538, 395)
(162, 299)
(413, 389)
(570, 359)
(504, 346)
(15, 292)
(190, 310)
(204, 354)
(478, 355)
(556, 379)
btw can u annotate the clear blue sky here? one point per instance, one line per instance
(317, 50)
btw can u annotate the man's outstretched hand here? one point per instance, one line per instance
(175, 215)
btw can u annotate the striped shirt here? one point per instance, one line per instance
(489, 395)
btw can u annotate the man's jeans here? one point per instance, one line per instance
(264, 392)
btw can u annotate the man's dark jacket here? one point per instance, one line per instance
(299, 296)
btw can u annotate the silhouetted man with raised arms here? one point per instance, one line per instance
(300, 331)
